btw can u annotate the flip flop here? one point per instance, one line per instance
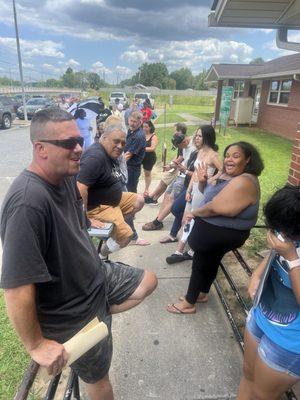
(139, 242)
(182, 298)
(171, 308)
(168, 239)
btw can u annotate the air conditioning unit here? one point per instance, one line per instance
(243, 110)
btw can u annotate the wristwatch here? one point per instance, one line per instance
(292, 264)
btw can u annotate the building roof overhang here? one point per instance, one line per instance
(256, 14)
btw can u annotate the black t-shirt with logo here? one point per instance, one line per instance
(103, 115)
(46, 243)
(101, 174)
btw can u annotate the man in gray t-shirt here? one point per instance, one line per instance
(53, 279)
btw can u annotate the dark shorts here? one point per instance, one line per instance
(149, 161)
(121, 280)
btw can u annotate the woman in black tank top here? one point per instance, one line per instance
(150, 155)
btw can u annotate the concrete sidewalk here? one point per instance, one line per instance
(167, 356)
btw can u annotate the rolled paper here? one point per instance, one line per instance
(79, 344)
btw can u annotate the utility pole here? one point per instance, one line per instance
(10, 80)
(20, 60)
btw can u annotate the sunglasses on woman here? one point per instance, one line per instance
(68, 144)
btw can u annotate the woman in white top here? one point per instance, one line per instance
(205, 139)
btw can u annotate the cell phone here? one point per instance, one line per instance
(186, 227)
(279, 236)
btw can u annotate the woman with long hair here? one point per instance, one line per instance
(150, 155)
(223, 220)
(204, 140)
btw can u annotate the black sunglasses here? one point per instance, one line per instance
(68, 144)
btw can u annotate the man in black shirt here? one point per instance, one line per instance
(53, 278)
(99, 182)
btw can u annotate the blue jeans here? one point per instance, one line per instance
(134, 173)
(275, 356)
(178, 211)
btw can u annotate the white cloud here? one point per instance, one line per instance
(72, 63)
(191, 54)
(123, 70)
(100, 68)
(52, 68)
(27, 65)
(135, 56)
(31, 48)
(294, 37)
(267, 31)
(279, 52)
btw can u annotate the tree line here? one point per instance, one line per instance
(148, 74)
(157, 74)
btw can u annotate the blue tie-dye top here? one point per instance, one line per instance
(278, 313)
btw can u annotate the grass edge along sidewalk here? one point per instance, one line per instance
(276, 153)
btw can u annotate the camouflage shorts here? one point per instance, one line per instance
(121, 281)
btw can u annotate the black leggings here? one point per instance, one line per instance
(210, 243)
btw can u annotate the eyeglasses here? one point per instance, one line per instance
(68, 144)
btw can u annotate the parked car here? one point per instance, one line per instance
(18, 100)
(7, 112)
(35, 104)
(123, 99)
(143, 96)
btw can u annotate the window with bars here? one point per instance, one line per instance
(238, 89)
(280, 91)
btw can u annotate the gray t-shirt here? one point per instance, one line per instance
(46, 243)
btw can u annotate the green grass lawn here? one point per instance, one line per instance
(275, 151)
(13, 358)
(170, 117)
(172, 113)
(190, 109)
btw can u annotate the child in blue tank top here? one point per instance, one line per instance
(272, 335)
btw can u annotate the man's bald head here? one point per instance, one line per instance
(40, 120)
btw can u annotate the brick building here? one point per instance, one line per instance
(274, 87)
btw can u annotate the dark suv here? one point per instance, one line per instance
(7, 112)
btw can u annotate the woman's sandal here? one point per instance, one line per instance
(168, 239)
(173, 309)
(199, 300)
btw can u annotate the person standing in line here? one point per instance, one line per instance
(84, 127)
(150, 155)
(146, 110)
(56, 283)
(134, 150)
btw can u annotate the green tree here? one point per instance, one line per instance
(153, 74)
(200, 80)
(94, 80)
(183, 77)
(68, 78)
(170, 83)
(257, 60)
(53, 83)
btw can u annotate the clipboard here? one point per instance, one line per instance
(264, 278)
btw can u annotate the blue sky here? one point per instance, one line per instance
(114, 37)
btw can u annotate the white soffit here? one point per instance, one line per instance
(256, 14)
